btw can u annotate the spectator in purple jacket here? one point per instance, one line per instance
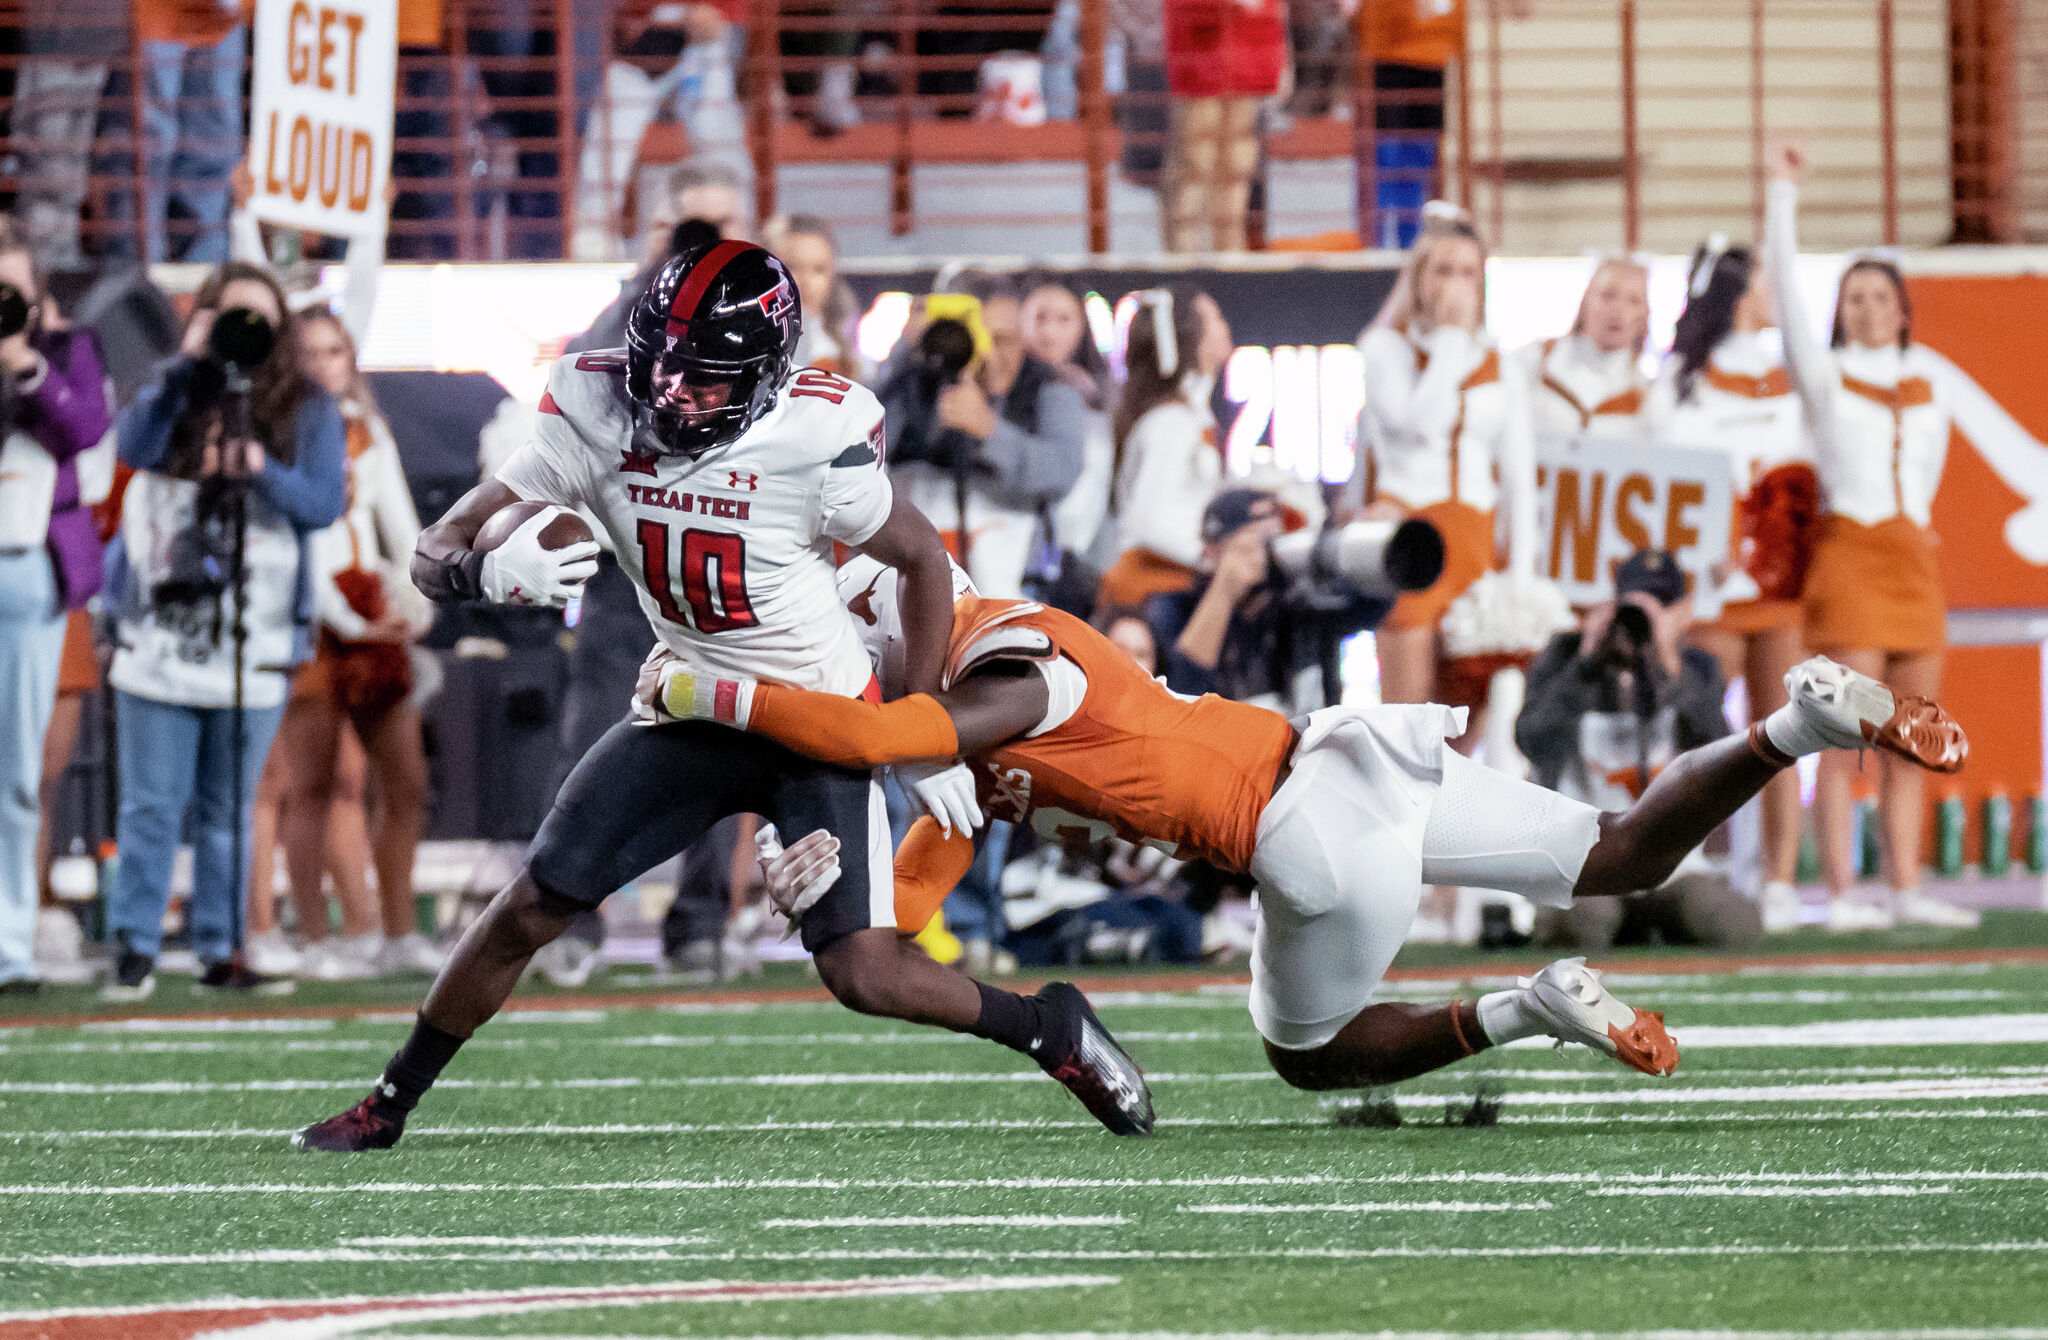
(53, 407)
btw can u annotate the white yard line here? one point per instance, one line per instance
(1861, 1091)
(568, 1240)
(1226, 1181)
(1766, 1192)
(210, 1026)
(1945, 1333)
(1376, 1207)
(956, 1221)
(329, 1255)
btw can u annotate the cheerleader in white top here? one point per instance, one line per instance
(1880, 408)
(1444, 435)
(1167, 461)
(1724, 388)
(358, 683)
(1589, 384)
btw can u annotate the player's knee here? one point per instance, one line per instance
(860, 972)
(524, 916)
(1310, 1068)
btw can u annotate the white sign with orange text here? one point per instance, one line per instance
(1599, 502)
(325, 79)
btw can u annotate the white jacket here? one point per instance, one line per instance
(1577, 393)
(1881, 417)
(1742, 404)
(1443, 423)
(1171, 469)
(379, 532)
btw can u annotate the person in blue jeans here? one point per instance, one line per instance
(174, 675)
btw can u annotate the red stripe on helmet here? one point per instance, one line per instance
(684, 309)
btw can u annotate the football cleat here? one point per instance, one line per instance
(1568, 997)
(1082, 1055)
(1854, 711)
(367, 1125)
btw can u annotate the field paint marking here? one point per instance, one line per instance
(569, 1240)
(1832, 997)
(294, 1256)
(751, 1184)
(1729, 1189)
(1860, 1091)
(1960, 1332)
(1041, 1124)
(210, 1026)
(113, 1047)
(1862, 969)
(957, 1221)
(327, 1318)
(1375, 1207)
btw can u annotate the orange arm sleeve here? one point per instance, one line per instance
(928, 865)
(852, 733)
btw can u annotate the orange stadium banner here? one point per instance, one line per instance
(325, 77)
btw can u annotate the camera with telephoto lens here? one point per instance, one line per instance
(14, 310)
(942, 355)
(1628, 637)
(1377, 560)
(241, 337)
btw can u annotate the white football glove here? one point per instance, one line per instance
(520, 572)
(798, 877)
(945, 791)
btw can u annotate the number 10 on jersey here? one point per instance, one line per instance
(714, 571)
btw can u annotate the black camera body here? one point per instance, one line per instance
(14, 310)
(941, 357)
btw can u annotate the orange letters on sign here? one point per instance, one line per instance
(1584, 526)
(1634, 488)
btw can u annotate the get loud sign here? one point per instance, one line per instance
(325, 79)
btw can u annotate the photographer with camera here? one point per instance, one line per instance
(53, 408)
(240, 459)
(984, 437)
(1608, 707)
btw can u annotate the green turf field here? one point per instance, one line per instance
(1849, 1148)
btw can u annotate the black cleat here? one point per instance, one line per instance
(1081, 1054)
(368, 1125)
(229, 975)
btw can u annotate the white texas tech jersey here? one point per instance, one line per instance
(731, 550)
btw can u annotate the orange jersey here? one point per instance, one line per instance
(1134, 760)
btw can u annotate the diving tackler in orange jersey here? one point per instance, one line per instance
(1341, 818)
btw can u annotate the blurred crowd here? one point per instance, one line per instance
(120, 158)
(1061, 466)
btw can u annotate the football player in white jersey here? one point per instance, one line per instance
(722, 476)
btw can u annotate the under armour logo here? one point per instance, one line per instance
(742, 479)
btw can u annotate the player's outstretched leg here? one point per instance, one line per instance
(472, 986)
(1390, 1042)
(881, 972)
(1831, 707)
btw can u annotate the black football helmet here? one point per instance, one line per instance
(719, 324)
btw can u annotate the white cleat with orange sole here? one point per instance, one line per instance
(1568, 996)
(1854, 711)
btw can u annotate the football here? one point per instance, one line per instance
(563, 531)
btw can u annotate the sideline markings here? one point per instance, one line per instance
(750, 1184)
(1729, 1189)
(1302, 1122)
(1375, 1207)
(1858, 1091)
(567, 1240)
(293, 1256)
(956, 1221)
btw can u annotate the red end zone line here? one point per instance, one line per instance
(1699, 965)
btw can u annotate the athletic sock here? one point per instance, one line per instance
(1505, 1016)
(1015, 1021)
(1788, 731)
(417, 1065)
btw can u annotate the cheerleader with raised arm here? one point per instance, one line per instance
(1444, 436)
(1589, 383)
(1880, 408)
(1724, 388)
